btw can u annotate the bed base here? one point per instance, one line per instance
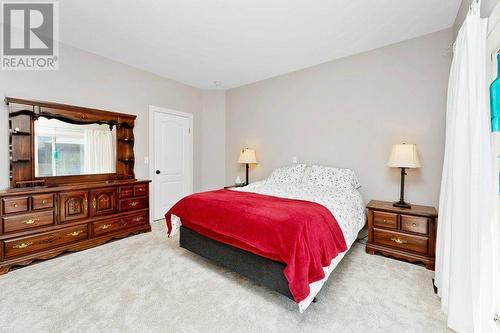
(264, 271)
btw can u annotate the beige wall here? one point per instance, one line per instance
(486, 9)
(213, 138)
(347, 113)
(93, 81)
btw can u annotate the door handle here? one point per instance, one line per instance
(157, 172)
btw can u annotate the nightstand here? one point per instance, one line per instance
(402, 233)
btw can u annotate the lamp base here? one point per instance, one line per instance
(402, 204)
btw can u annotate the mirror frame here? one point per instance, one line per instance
(22, 115)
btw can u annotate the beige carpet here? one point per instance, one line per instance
(146, 283)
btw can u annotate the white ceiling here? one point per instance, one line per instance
(237, 42)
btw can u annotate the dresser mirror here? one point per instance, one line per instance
(64, 149)
(57, 144)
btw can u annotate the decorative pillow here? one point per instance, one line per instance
(289, 174)
(336, 177)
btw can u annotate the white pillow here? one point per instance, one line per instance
(334, 177)
(290, 174)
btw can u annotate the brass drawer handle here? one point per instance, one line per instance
(399, 240)
(94, 203)
(44, 202)
(137, 219)
(75, 233)
(133, 203)
(16, 205)
(105, 226)
(30, 221)
(413, 224)
(22, 245)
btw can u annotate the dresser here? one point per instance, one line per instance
(40, 223)
(408, 234)
(72, 181)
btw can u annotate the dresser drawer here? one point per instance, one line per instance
(125, 192)
(104, 227)
(15, 205)
(415, 224)
(27, 221)
(42, 201)
(20, 246)
(385, 220)
(405, 242)
(140, 190)
(130, 204)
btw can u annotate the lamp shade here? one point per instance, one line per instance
(247, 156)
(404, 156)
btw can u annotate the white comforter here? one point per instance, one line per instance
(345, 204)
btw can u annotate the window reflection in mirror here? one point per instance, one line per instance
(63, 149)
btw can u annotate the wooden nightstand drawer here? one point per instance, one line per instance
(402, 241)
(415, 224)
(386, 220)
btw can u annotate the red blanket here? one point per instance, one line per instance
(304, 235)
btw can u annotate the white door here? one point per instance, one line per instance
(172, 177)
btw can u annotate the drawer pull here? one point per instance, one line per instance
(414, 224)
(399, 240)
(30, 221)
(137, 219)
(105, 226)
(22, 245)
(94, 203)
(44, 202)
(75, 233)
(16, 205)
(133, 203)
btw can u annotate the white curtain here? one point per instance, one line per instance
(100, 151)
(466, 228)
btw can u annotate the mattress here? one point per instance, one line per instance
(345, 204)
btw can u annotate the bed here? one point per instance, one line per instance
(333, 190)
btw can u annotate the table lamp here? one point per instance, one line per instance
(403, 156)
(247, 156)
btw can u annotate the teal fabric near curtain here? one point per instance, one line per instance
(495, 101)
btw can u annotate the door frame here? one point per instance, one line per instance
(157, 109)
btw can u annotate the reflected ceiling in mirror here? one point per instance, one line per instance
(65, 149)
